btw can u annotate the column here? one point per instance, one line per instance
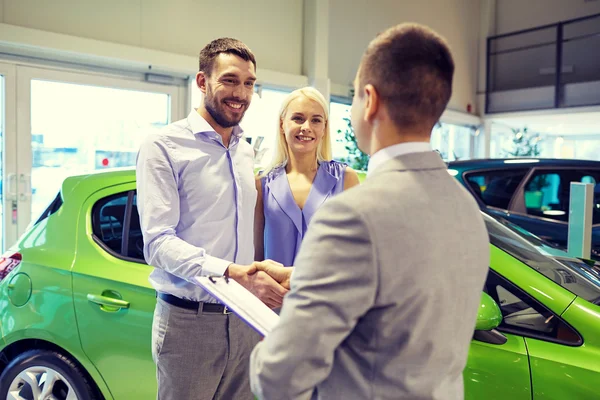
(315, 63)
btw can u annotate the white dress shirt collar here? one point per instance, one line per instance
(396, 150)
(199, 125)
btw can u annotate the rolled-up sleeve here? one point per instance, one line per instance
(158, 206)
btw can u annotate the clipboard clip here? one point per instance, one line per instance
(212, 278)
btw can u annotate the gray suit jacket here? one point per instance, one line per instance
(385, 292)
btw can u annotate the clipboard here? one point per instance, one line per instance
(240, 301)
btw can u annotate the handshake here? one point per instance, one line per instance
(268, 280)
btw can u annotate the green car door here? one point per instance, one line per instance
(498, 371)
(550, 325)
(486, 375)
(114, 301)
(561, 369)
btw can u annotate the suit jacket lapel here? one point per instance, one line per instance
(280, 189)
(319, 192)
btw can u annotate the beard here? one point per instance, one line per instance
(216, 109)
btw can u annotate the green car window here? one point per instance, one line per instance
(135, 247)
(574, 275)
(116, 226)
(108, 219)
(523, 315)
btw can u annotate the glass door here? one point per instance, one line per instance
(72, 123)
(8, 184)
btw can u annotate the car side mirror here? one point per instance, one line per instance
(489, 317)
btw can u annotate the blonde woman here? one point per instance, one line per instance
(300, 178)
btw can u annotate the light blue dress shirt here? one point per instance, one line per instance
(196, 203)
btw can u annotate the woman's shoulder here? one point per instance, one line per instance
(270, 175)
(335, 168)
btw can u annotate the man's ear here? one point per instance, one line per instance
(201, 81)
(372, 102)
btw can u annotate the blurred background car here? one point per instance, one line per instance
(532, 192)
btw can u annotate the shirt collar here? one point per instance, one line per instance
(396, 150)
(199, 125)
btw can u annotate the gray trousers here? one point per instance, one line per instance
(201, 356)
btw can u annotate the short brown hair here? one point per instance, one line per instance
(411, 68)
(223, 45)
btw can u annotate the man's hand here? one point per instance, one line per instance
(258, 282)
(277, 271)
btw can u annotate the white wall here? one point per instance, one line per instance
(353, 24)
(271, 28)
(169, 33)
(516, 15)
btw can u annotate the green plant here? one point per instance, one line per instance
(524, 144)
(356, 158)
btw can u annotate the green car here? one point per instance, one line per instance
(76, 308)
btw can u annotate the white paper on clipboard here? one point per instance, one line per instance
(240, 301)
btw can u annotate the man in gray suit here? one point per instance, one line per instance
(386, 287)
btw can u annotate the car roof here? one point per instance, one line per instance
(525, 161)
(86, 184)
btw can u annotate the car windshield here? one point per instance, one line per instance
(573, 274)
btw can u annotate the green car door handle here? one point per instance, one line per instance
(107, 301)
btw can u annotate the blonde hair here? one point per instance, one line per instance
(281, 155)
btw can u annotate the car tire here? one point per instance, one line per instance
(68, 378)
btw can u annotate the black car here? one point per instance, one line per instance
(532, 193)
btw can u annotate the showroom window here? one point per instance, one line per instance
(64, 121)
(264, 122)
(495, 188)
(454, 142)
(524, 316)
(79, 128)
(109, 227)
(339, 123)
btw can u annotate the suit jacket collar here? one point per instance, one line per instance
(412, 162)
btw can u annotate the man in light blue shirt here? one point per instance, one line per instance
(196, 198)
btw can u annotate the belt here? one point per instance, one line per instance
(193, 305)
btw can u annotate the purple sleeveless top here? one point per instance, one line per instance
(285, 222)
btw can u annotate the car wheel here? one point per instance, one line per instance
(44, 374)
